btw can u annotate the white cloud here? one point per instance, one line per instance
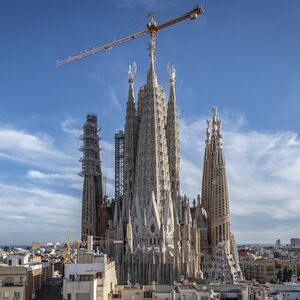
(134, 3)
(268, 235)
(21, 146)
(71, 176)
(31, 210)
(68, 127)
(115, 100)
(44, 201)
(23, 141)
(148, 4)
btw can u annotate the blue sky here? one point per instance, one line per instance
(242, 56)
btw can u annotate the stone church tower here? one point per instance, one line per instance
(215, 201)
(92, 178)
(214, 185)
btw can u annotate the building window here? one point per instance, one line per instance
(20, 261)
(148, 294)
(152, 228)
(69, 296)
(9, 262)
(86, 277)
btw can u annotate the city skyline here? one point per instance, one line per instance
(39, 143)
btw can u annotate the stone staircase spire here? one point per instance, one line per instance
(130, 140)
(173, 138)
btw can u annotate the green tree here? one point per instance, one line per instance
(289, 274)
(279, 276)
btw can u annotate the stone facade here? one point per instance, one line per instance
(266, 270)
(224, 269)
(160, 236)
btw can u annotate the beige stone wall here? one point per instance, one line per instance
(14, 279)
(265, 270)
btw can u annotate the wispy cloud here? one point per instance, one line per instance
(135, 3)
(269, 233)
(45, 201)
(69, 128)
(48, 177)
(115, 99)
(21, 146)
(29, 213)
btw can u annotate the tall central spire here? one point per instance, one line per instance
(152, 78)
(152, 163)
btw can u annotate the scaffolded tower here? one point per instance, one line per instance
(119, 164)
(91, 171)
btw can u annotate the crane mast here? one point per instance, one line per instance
(152, 29)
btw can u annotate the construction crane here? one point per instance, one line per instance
(152, 29)
(96, 240)
(67, 249)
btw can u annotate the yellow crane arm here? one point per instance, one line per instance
(151, 28)
(193, 14)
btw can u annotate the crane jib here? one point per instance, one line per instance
(152, 28)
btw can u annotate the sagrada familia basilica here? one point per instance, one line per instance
(153, 233)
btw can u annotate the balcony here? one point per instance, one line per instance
(12, 284)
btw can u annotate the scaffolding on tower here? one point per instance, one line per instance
(119, 164)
